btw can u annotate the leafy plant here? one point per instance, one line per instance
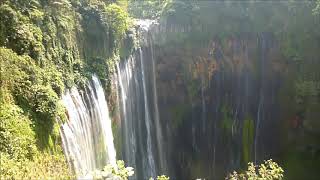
(150, 9)
(162, 177)
(269, 170)
(247, 139)
(118, 22)
(16, 136)
(43, 166)
(118, 171)
(316, 10)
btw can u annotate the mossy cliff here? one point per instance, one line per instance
(242, 79)
(46, 47)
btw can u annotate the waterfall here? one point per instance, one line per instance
(257, 129)
(140, 121)
(162, 157)
(87, 135)
(203, 103)
(260, 112)
(137, 121)
(147, 118)
(126, 95)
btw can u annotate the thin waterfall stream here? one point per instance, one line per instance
(161, 150)
(147, 118)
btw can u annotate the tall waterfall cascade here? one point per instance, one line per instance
(87, 136)
(141, 128)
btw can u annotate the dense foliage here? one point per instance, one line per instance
(42, 166)
(45, 47)
(149, 9)
(316, 10)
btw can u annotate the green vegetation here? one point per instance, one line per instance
(149, 9)
(42, 166)
(17, 138)
(120, 171)
(227, 119)
(247, 139)
(162, 177)
(299, 165)
(200, 21)
(31, 92)
(316, 10)
(179, 114)
(45, 47)
(294, 26)
(268, 170)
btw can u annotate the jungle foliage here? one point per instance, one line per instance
(46, 47)
(149, 9)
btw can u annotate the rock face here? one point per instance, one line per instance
(219, 103)
(201, 109)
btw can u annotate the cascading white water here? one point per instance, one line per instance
(147, 119)
(260, 112)
(257, 129)
(203, 103)
(140, 121)
(162, 157)
(124, 78)
(87, 135)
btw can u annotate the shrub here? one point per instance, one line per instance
(17, 139)
(162, 177)
(118, 172)
(269, 170)
(117, 20)
(44, 166)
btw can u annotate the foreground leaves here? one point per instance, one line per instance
(269, 170)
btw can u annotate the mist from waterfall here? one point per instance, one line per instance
(87, 135)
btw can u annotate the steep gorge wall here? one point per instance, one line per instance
(238, 83)
(209, 97)
(227, 100)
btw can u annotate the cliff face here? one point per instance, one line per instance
(225, 103)
(237, 82)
